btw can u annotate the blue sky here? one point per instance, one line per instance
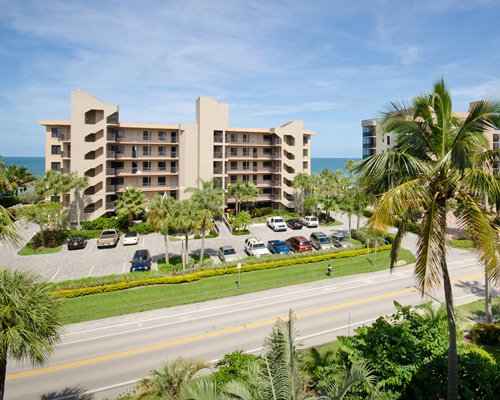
(329, 63)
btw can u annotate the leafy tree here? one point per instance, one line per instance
(184, 217)
(159, 217)
(241, 221)
(209, 200)
(439, 165)
(311, 205)
(302, 182)
(243, 193)
(131, 203)
(53, 183)
(30, 325)
(48, 215)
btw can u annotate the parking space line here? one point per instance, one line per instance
(91, 269)
(54, 276)
(143, 241)
(92, 246)
(124, 264)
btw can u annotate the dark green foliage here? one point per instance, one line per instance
(363, 235)
(144, 228)
(102, 223)
(488, 334)
(212, 234)
(260, 212)
(87, 234)
(9, 201)
(234, 366)
(367, 213)
(48, 239)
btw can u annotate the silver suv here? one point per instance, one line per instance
(320, 241)
(341, 240)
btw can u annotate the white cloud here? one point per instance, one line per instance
(410, 55)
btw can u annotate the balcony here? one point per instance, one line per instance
(218, 154)
(218, 171)
(66, 154)
(110, 206)
(276, 183)
(275, 197)
(275, 155)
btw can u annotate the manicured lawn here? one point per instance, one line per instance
(29, 251)
(153, 297)
(176, 261)
(333, 222)
(465, 244)
(475, 311)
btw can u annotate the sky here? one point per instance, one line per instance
(328, 63)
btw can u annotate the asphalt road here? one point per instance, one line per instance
(103, 358)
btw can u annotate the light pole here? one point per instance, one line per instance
(239, 273)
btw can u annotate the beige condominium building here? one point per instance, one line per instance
(168, 158)
(374, 142)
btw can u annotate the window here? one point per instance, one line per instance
(117, 164)
(162, 135)
(173, 152)
(266, 191)
(305, 152)
(267, 151)
(305, 165)
(135, 151)
(117, 181)
(55, 149)
(234, 165)
(173, 137)
(134, 167)
(118, 133)
(118, 149)
(246, 151)
(146, 181)
(162, 166)
(267, 177)
(267, 164)
(388, 140)
(55, 166)
(246, 178)
(246, 165)
(173, 167)
(146, 150)
(234, 138)
(246, 138)
(57, 133)
(146, 135)
(162, 181)
(162, 150)
(267, 138)
(234, 151)
(146, 166)
(233, 178)
(306, 139)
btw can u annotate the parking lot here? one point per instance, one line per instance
(75, 264)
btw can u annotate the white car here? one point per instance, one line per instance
(255, 247)
(227, 254)
(310, 221)
(130, 238)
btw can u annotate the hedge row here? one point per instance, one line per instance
(195, 276)
(488, 334)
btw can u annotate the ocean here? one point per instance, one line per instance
(37, 164)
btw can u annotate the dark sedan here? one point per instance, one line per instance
(278, 247)
(294, 223)
(77, 242)
(141, 261)
(299, 244)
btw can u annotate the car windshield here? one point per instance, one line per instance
(305, 243)
(130, 234)
(341, 238)
(313, 219)
(278, 220)
(259, 246)
(140, 259)
(323, 239)
(229, 251)
(280, 244)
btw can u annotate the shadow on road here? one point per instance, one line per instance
(74, 393)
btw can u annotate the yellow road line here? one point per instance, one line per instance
(189, 339)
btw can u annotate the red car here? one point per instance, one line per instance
(299, 244)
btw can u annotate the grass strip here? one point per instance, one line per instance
(30, 251)
(110, 304)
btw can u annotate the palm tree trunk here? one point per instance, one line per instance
(3, 373)
(452, 331)
(350, 217)
(203, 234)
(487, 299)
(165, 240)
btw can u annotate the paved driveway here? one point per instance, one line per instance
(91, 261)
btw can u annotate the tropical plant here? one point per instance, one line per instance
(78, 183)
(30, 323)
(439, 165)
(19, 178)
(168, 381)
(131, 203)
(302, 182)
(243, 193)
(209, 200)
(53, 184)
(184, 217)
(159, 217)
(48, 215)
(241, 221)
(8, 230)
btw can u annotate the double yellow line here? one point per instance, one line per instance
(194, 338)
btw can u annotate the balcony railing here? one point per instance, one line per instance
(275, 197)
(218, 171)
(66, 154)
(276, 183)
(110, 205)
(217, 154)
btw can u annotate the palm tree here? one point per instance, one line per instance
(250, 192)
(209, 200)
(131, 203)
(159, 217)
(30, 325)
(77, 184)
(359, 372)
(19, 177)
(434, 167)
(8, 230)
(184, 217)
(168, 382)
(242, 193)
(302, 182)
(53, 183)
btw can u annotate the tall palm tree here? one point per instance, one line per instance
(78, 183)
(184, 217)
(434, 167)
(131, 203)
(19, 177)
(250, 192)
(4, 181)
(159, 217)
(53, 183)
(302, 182)
(8, 230)
(237, 191)
(29, 325)
(209, 200)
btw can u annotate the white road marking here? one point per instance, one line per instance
(143, 241)
(124, 264)
(54, 276)
(93, 244)
(90, 272)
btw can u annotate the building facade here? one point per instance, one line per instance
(374, 142)
(168, 158)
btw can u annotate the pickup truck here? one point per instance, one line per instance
(108, 238)
(276, 224)
(255, 247)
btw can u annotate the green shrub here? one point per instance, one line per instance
(9, 201)
(48, 239)
(234, 366)
(260, 212)
(144, 228)
(367, 213)
(102, 223)
(488, 334)
(87, 234)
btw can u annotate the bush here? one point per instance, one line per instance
(259, 212)
(367, 213)
(87, 234)
(144, 228)
(234, 366)
(9, 201)
(488, 334)
(101, 223)
(48, 239)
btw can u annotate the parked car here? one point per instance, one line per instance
(76, 242)
(341, 240)
(108, 238)
(299, 244)
(141, 261)
(278, 247)
(276, 224)
(255, 247)
(320, 241)
(294, 223)
(311, 221)
(227, 253)
(130, 238)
